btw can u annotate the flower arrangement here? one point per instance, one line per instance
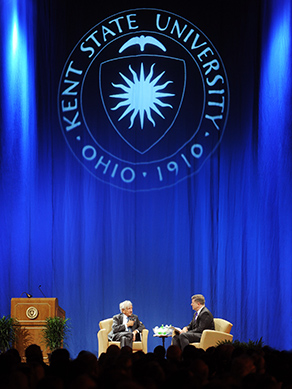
(163, 330)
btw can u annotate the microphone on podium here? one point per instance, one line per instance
(42, 291)
(28, 295)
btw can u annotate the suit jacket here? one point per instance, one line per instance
(203, 322)
(118, 325)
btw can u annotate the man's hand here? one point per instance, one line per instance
(185, 329)
(130, 323)
(134, 335)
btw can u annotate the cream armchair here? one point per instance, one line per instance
(211, 338)
(103, 342)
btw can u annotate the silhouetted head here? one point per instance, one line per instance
(159, 352)
(173, 353)
(33, 353)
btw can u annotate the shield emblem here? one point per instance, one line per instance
(142, 96)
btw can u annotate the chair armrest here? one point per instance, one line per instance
(145, 340)
(211, 338)
(102, 341)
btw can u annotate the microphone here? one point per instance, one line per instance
(41, 291)
(28, 295)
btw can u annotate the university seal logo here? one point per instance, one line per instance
(143, 100)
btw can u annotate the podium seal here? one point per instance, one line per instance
(32, 313)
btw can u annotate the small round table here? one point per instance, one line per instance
(163, 337)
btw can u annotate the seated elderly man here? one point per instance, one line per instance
(126, 326)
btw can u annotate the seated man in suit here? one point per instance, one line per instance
(202, 320)
(126, 327)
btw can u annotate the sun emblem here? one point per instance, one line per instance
(142, 95)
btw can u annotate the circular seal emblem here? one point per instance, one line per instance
(32, 313)
(143, 99)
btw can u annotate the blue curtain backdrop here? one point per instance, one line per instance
(225, 231)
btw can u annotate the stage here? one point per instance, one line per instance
(145, 154)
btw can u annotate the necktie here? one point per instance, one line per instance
(196, 315)
(129, 328)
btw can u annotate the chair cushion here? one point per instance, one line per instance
(106, 325)
(222, 325)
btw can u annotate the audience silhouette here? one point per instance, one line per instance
(225, 366)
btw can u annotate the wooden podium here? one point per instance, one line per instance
(31, 314)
